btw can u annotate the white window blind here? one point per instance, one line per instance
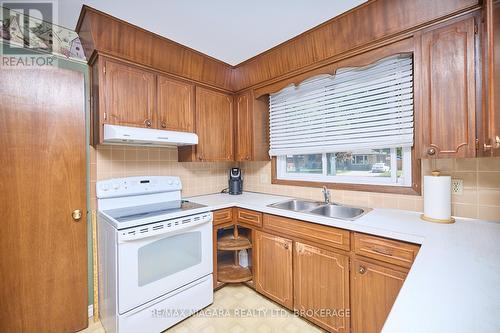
(357, 108)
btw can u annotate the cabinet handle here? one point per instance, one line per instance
(431, 151)
(148, 122)
(362, 270)
(382, 251)
(163, 124)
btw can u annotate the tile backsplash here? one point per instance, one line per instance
(197, 178)
(480, 197)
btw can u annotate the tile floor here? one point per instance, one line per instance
(241, 310)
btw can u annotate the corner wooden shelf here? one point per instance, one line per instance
(231, 273)
(230, 243)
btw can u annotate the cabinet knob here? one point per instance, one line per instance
(248, 158)
(285, 245)
(76, 215)
(163, 124)
(361, 270)
(148, 122)
(200, 157)
(431, 151)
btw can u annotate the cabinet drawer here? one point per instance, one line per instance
(223, 216)
(249, 217)
(317, 233)
(391, 251)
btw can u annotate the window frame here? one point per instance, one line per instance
(324, 177)
(414, 189)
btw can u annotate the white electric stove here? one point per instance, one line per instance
(155, 254)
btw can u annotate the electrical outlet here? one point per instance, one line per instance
(457, 186)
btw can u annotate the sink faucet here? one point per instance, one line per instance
(326, 194)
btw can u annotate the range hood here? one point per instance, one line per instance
(136, 136)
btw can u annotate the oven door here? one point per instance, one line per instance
(152, 266)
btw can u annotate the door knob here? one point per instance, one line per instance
(431, 151)
(77, 215)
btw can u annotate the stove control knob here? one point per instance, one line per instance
(105, 188)
(116, 186)
(170, 182)
(177, 182)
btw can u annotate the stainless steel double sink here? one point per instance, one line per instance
(331, 210)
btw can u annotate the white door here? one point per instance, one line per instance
(153, 266)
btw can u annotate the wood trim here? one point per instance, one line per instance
(105, 33)
(316, 233)
(354, 29)
(391, 251)
(361, 59)
(414, 190)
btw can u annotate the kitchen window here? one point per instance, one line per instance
(354, 127)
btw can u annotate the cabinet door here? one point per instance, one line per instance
(373, 291)
(214, 125)
(273, 267)
(321, 281)
(491, 123)
(128, 95)
(175, 104)
(448, 91)
(243, 127)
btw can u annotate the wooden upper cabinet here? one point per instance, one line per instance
(127, 95)
(374, 289)
(252, 127)
(321, 281)
(175, 104)
(448, 90)
(273, 267)
(214, 125)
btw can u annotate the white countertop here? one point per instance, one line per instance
(454, 283)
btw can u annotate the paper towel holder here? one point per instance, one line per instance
(437, 173)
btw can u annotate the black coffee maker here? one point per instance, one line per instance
(235, 181)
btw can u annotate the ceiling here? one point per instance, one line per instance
(229, 30)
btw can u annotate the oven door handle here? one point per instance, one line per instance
(125, 236)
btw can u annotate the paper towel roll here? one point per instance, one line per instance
(437, 198)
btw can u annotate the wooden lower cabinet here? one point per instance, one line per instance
(273, 268)
(321, 286)
(374, 289)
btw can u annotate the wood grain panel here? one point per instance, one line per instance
(368, 23)
(223, 216)
(243, 127)
(43, 251)
(491, 119)
(273, 268)
(128, 95)
(249, 217)
(317, 233)
(391, 251)
(101, 32)
(214, 125)
(251, 127)
(448, 91)
(374, 289)
(321, 282)
(176, 104)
